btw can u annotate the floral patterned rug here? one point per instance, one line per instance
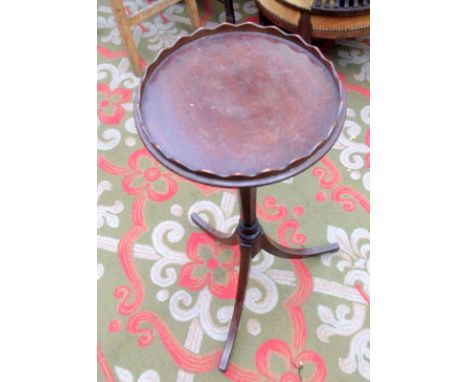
(166, 290)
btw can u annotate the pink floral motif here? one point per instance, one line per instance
(211, 264)
(146, 176)
(110, 102)
(276, 350)
(114, 326)
(320, 196)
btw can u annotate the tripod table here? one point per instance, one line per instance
(241, 106)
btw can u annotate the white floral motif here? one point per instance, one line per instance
(177, 13)
(130, 125)
(181, 309)
(250, 8)
(110, 138)
(108, 22)
(261, 297)
(339, 324)
(125, 375)
(353, 255)
(160, 274)
(359, 355)
(107, 214)
(358, 54)
(353, 153)
(222, 220)
(161, 34)
(352, 258)
(100, 270)
(120, 75)
(253, 327)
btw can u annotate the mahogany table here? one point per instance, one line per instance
(241, 106)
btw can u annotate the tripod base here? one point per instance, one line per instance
(251, 240)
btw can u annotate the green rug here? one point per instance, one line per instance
(152, 324)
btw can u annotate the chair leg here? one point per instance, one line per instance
(304, 28)
(240, 297)
(193, 13)
(290, 253)
(229, 11)
(262, 19)
(126, 35)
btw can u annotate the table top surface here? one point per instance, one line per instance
(239, 106)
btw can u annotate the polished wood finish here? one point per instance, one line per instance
(229, 103)
(266, 111)
(125, 22)
(197, 105)
(248, 200)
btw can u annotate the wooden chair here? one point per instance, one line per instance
(124, 23)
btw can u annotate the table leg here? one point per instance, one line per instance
(252, 239)
(289, 253)
(214, 233)
(246, 253)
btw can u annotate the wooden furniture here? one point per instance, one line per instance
(317, 19)
(124, 24)
(229, 11)
(241, 106)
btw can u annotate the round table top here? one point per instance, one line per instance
(239, 106)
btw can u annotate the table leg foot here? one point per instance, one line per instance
(218, 235)
(289, 253)
(240, 296)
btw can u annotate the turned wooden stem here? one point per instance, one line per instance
(248, 206)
